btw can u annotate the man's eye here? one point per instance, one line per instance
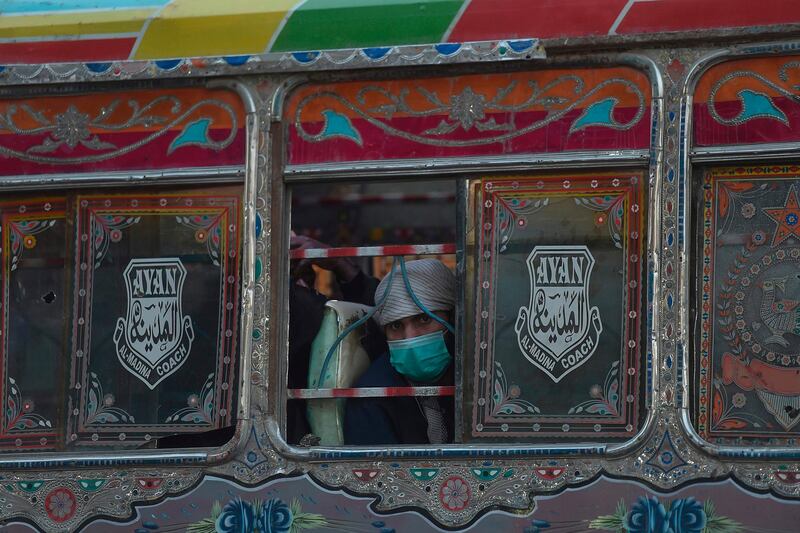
(423, 319)
(394, 325)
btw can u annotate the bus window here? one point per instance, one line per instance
(746, 301)
(355, 246)
(555, 294)
(121, 317)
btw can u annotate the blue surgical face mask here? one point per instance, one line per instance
(422, 359)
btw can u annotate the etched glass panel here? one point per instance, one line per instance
(555, 298)
(748, 307)
(154, 323)
(32, 327)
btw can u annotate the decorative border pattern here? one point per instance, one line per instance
(525, 112)
(21, 427)
(145, 129)
(282, 62)
(508, 203)
(101, 222)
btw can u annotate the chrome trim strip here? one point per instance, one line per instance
(227, 174)
(653, 251)
(277, 62)
(745, 152)
(459, 165)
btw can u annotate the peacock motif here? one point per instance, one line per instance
(779, 315)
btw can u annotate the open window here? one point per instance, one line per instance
(550, 269)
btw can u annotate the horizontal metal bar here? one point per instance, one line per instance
(743, 152)
(195, 176)
(373, 169)
(370, 392)
(373, 251)
(374, 199)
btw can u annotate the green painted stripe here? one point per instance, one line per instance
(330, 24)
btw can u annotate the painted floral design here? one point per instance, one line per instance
(687, 516)
(200, 407)
(236, 517)
(605, 400)
(19, 411)
(454, 494)
(60, 504)
(21, 237)
(207, 229)
(649, 515)
(270, 516)
(100, 407)
(102, 228)
(505, 397)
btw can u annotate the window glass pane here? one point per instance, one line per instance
(32, 328)
(555, 299)
(746, 390)
(154, 317)
(376, 215)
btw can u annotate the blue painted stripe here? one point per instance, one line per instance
(49, 6)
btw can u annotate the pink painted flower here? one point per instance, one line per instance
(739, 400)
(748, 210)
(60, 504)
(454, 494)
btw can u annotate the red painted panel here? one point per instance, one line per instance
(490, 19)
(66, 51)
(556, 137)
(151, 156)
(674, 15)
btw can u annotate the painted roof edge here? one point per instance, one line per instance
(282, 62)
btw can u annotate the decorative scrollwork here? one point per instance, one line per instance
(106, 229)
(207, 230)
(200, 407)
(469, 110)
(74, 128)
(756, 104)
(505, 398)
(605, 400)
(22, 236)
(19, 412)
(100, 407)
(612, 209)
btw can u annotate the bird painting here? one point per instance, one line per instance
(779, 314)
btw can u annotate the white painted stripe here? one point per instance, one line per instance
(455, 20)
(145, 26)
(66, 38)
(280, 27)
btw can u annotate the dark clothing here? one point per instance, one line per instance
(305, 317)
(399, 420)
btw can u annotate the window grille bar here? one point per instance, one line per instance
(370, 392)
(374, 251)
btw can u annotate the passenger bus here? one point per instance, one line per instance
(191, 189)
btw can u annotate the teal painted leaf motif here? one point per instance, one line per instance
(194, 134)
(758, 105)
(30, 486)
(338, 125)
(597, 114)
(486, 474)
(91, 485)
(424, 474)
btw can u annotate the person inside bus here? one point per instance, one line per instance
(420, 340)
(305, 317)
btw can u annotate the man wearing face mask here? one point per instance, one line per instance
(420, 339)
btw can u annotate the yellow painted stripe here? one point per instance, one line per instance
(83, 23)
(212, 27)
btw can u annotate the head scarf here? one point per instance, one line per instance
(433, 284)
